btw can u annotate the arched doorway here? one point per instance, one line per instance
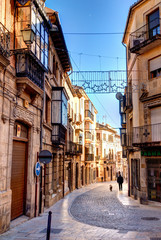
(19, 170)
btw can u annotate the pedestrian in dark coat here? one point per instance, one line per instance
(120, 181)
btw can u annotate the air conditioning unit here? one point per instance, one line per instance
(137, 41)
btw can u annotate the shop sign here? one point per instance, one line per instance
(150, 153)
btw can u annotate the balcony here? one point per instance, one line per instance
(27, 66)
(89, 157)
(97, 158)
(89, 136)
(144, 39)
(78, 118)
(89, 115)
(73, 148)
(4, 41)
(79, 149)
(148, 135)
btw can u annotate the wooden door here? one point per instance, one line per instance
(18, 179)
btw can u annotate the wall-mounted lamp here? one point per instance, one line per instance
(28, 35)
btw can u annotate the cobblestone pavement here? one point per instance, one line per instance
(92, 213)
(100, 207)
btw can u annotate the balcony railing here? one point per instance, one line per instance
(73, 148)
(4, 41)
(144, 36)
(97, 158)
(148, 134)
(88, 114)
(26, 66)
(89, 136)
(89, 157)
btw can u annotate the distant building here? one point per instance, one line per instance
(108, 153)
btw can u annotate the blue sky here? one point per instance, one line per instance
(95, 52)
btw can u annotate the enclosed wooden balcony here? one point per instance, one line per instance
(148, 135)
(146, 37)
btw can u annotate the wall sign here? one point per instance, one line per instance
(45, 156)
(151, 153)
(37, 169)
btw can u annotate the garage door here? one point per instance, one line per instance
(18, 179)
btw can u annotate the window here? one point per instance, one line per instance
(98, 136)
(104, 137)
(154, 24)
(123, 136)
(104, 153)
(110, 138)
(47, 110)
(155, 67)
(40, 44)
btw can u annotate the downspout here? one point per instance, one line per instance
(4, 75)
(41, 142)
(42, 114)
(127, 151)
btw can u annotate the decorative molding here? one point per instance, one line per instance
(5, 118)
(12, 121)
(23, 114)
(21, 88)
(34, 98)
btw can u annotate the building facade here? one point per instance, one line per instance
(141, 105)
(40, 110)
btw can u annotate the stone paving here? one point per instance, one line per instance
(92, 213)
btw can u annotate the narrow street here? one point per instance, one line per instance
(93, 212)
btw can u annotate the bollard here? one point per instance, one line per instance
(49, 226)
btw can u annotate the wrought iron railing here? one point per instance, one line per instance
(144, 34)
(26, 66)
(147, 134)
(73, 148)
(89, 157)
(4, 41)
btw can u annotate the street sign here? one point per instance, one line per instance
(45, 156)
(37, 169)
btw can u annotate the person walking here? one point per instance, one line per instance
(120, 181)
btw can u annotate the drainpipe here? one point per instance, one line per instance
(4, 75)
(42, 114)
(127, 151)
(41, 138)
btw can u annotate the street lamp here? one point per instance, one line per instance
(28, 35)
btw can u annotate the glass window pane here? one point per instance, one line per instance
(46, 62)
(38, 25)
(38, 51)
(42, 31)
(33, 47)
(42, 57)
(38, 40)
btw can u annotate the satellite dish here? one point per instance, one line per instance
(119, 96)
